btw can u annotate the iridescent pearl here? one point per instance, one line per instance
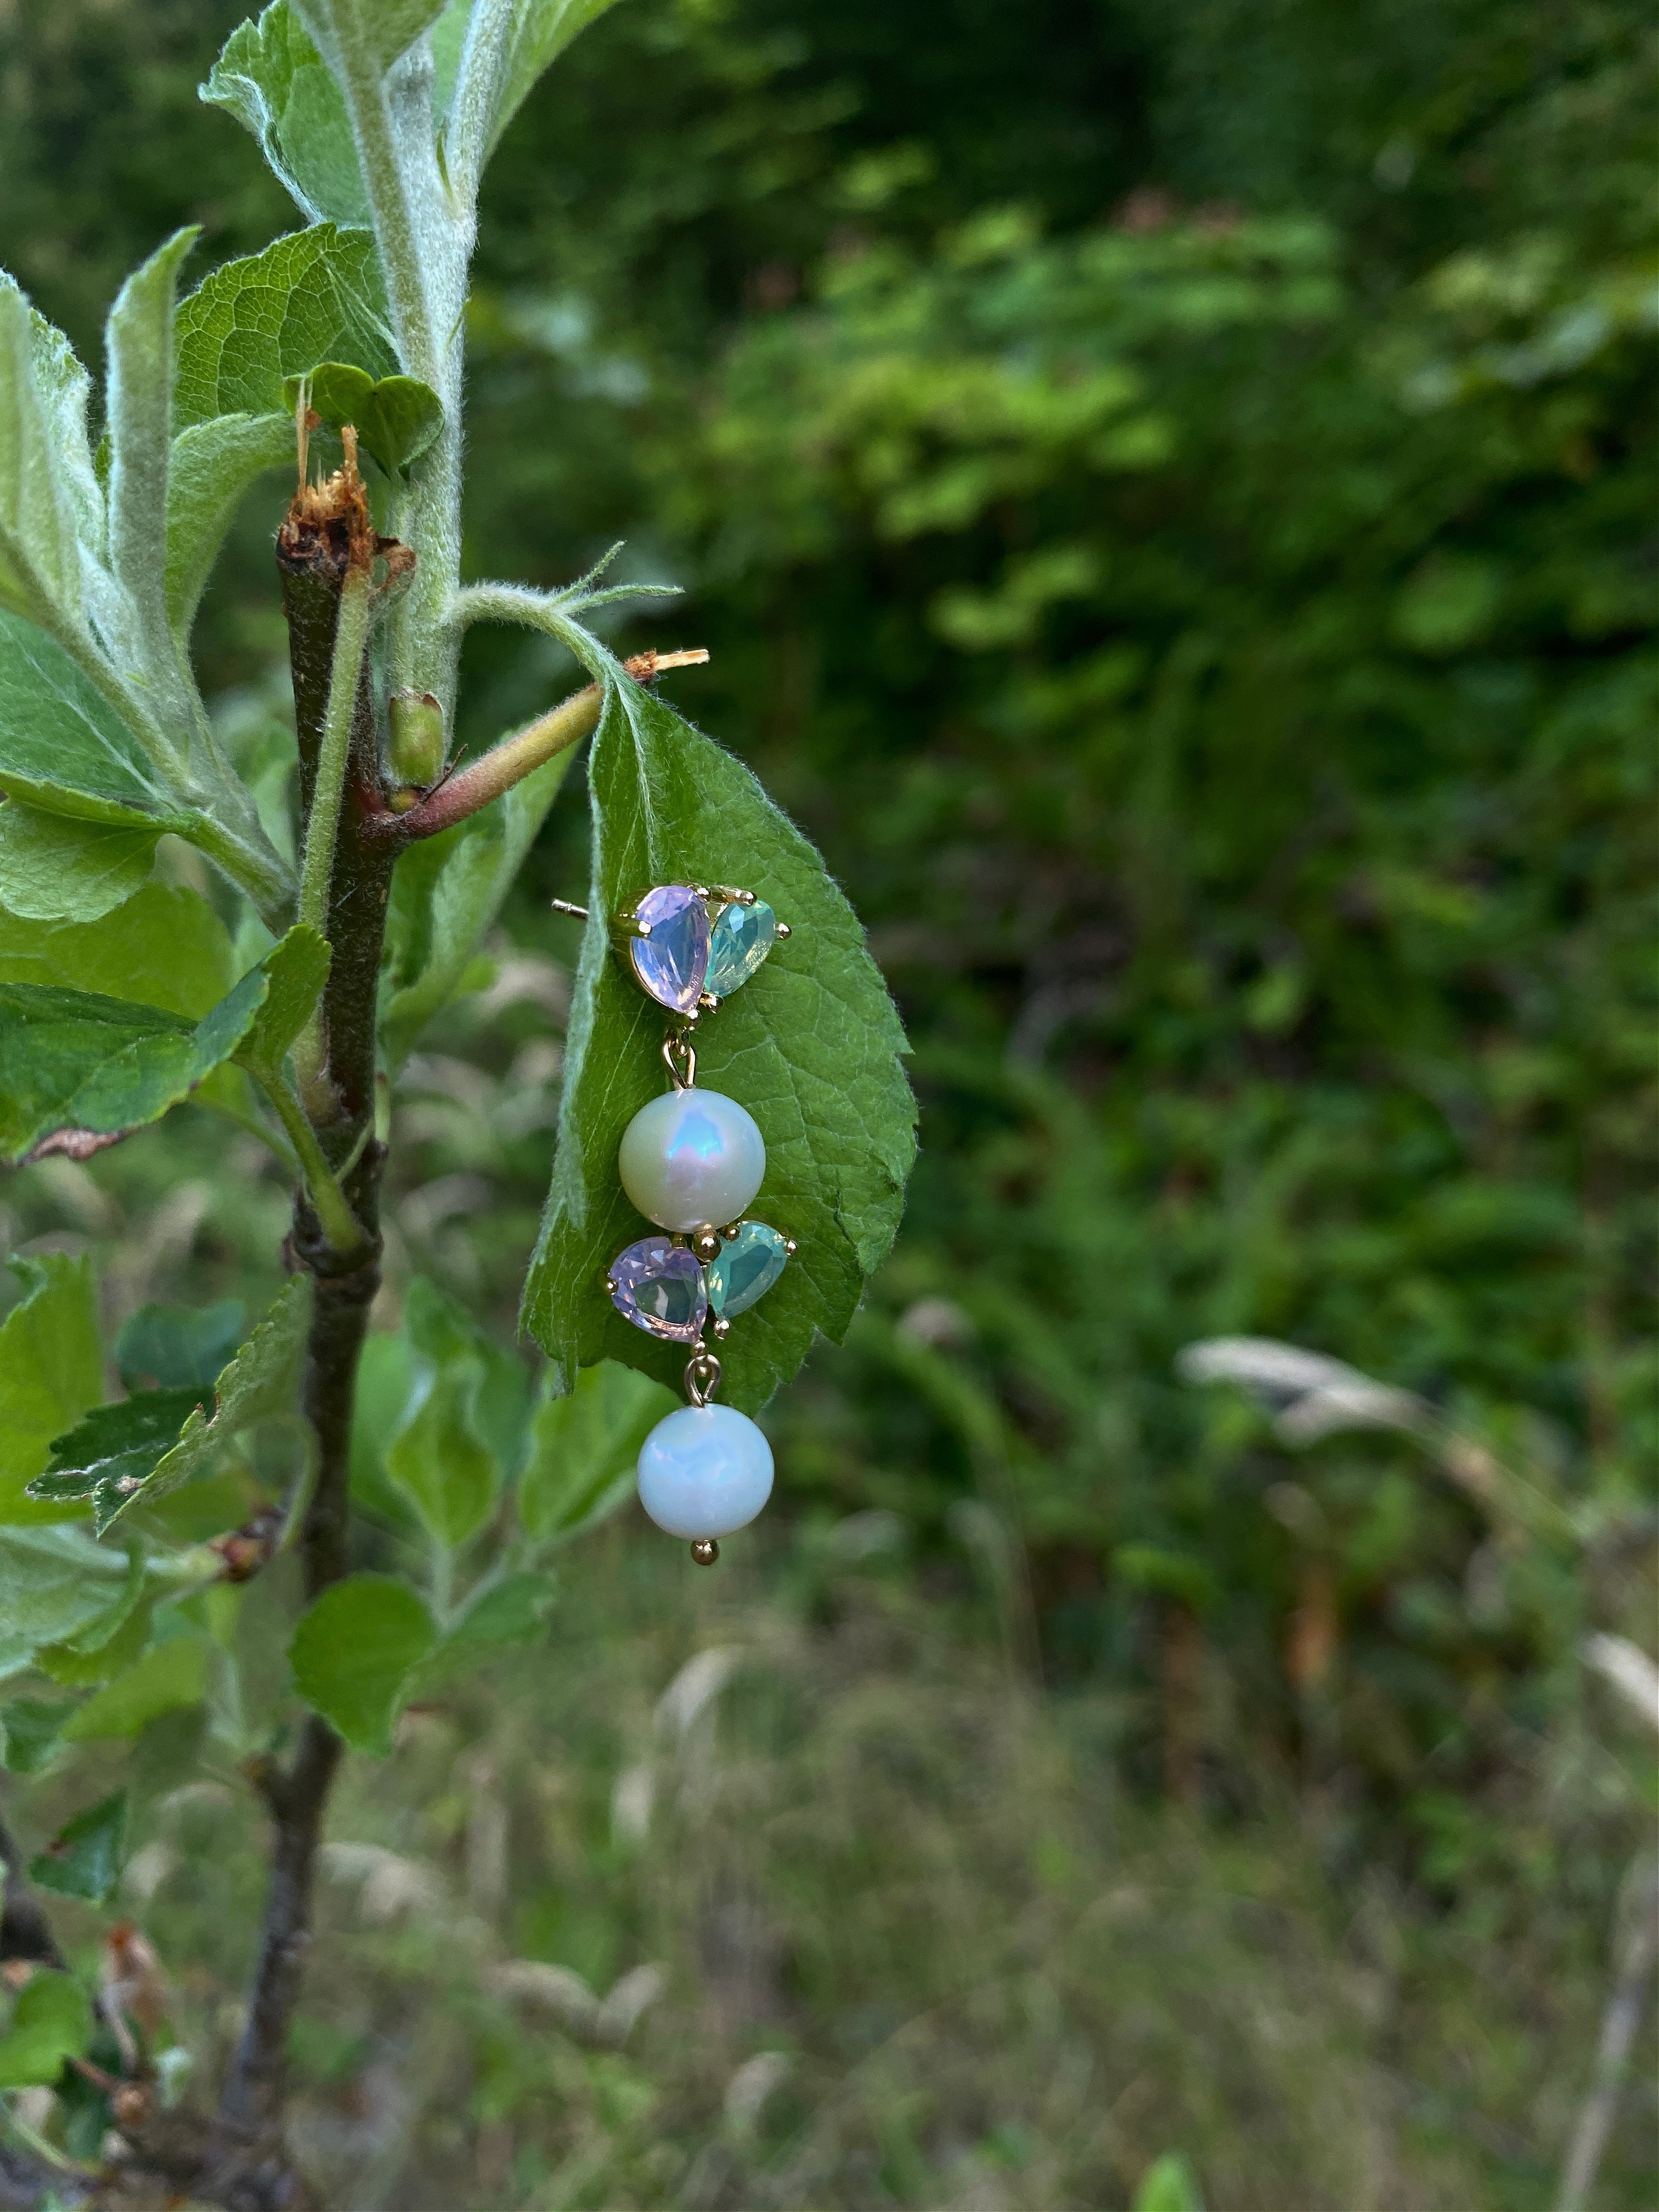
(704, 1471)
(691, 1157)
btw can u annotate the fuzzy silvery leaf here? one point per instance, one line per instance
(51, 512)
(64, 749)
(272, 79)
(165, 947)
(312, 296)
(355, 1654)
(812, 1046)
(381, 30)
(138, 343)
(51, 1371)
(212, 465)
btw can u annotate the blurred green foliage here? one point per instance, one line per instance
(1168, 493)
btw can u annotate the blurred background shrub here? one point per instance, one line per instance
(1168, 492)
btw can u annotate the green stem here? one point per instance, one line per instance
(323, 827)
(340, 1224)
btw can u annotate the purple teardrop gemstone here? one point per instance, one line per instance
(672, 962)
(660, 1288)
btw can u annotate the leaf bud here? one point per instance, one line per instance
(415, 747)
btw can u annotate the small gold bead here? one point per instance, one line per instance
(610, 1285)
(790, 1247)
(706, 1243)
(705, 1551)
(732, 1231)
(722, 1326)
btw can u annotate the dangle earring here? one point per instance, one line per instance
(692, 1161)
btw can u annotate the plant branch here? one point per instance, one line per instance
(509, 762)
(323, 824)
(333, 1210)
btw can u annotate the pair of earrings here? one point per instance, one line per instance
(692, 1162)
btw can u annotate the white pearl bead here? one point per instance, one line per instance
(704, 1471)
(691, 1157)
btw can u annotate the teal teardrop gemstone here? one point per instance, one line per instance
(741, 939)
(746, 1269)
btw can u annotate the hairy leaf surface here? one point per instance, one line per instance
(213, 463)
(811, 1046)
(51, 511)
(65, 748)
(312, 296)
(272, 79)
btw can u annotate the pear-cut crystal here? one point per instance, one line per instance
(672, 963)
(741, 939)
(660, 1288)
(746, 1268)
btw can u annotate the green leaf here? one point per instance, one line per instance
(54, 869)
(297, 969)
(114, 1641)
(63, 746)
(33, 1730)
(446, 894)
(541, 31)
(314, 295)
(52, 2021)
(84, 1858)
(78, 1070)
(138, 344)
(261, 1383)
(810, 1046)
(50, 507)
(177, 1347)
(511, 1610)
(51, 1371)
(106, 1457)
(212, 465)
(170, 1676)
(166, 947)
(383, 29)
(584, 1448)
(396, 419)
(354, 1652)
(1168, 2185)
(440, 1462)
(56, 1583)
(272, 79)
